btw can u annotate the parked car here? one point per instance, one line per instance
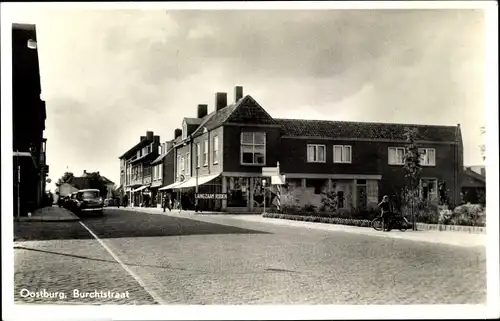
(88, 200)
(69, 201)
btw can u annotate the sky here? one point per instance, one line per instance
(109, 76)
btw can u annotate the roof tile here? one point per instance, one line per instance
(363, 130)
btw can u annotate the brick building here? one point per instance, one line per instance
(28, 121)
(163, 173)
(224, 152)
(136, 171)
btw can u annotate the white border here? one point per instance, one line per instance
(259, 312)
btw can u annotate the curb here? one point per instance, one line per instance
(52, 220)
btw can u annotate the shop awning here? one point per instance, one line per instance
(140, 188)
(201, 180)
(171, 186)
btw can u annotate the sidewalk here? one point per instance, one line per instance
(50, 214)
(428, 236)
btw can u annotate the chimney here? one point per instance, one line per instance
(98, 173)
(156, 139)
(84, 171)
(238, 93)
(220, 101)
(177, 132)
(483, 171)
(149, 136)
(168, 145)
(202, 111)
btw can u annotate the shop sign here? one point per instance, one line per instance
(211, 196)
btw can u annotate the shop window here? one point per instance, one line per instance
(238, 192)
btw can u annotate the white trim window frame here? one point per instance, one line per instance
(342, 154)
(160, 171)
(178, 165)
(198, 155)
(215, 148)
(314, 153)
(188, 164)
(205, 152)
(183, 168)
(427, 156)
(396, 155)
(254, 144)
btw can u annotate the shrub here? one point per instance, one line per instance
(329, 202)
(469, 214)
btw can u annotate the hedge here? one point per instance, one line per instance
(318, 219)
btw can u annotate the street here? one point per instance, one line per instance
(164, 259)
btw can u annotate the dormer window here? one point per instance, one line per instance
(184, 130)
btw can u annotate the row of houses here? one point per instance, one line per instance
(223, 152)
(30, 170)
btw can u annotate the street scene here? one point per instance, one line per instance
(250, 157)
(190, 258)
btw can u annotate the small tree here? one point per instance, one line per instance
(97, 182)
(413, 170)
(66, 176)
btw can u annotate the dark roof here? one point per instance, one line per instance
(131, 151)
(105, 179)
(344, 129)
(216, 119)
(470, 173)
(146, 157)
(79, 182)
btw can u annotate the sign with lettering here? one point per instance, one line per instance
(211, 196)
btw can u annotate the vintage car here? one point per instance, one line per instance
(88, 200)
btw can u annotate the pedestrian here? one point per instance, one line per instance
(385, 209)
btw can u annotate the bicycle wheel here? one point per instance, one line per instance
(377, 224)
(402, 225)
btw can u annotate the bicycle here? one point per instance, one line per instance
(395, 221)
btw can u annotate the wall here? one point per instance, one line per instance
(231, 148)
(368, 158)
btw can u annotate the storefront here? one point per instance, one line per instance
(247, 194)
(141, 196)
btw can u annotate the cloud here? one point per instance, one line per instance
(108, 76)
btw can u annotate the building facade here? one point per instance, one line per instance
(163, 173)
(136, 171)
(28, 122)
(224, 152)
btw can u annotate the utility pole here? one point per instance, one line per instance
(264, 192)
(196, 192)
(18, 188)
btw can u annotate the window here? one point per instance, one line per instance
(341, 154)
(216, 150)
(188, 164)
(160, 171)
(183, 164)
(427, 156)
(396, 155)
(253, 148)
(179, 165)
(429, 189)
(316, 153)
(205, 152)
(184, 130)
(198, 155)
(138, 154)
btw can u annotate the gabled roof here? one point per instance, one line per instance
(161, 157)
(79, 182)
(478, 177)
(216, 119)
(363, 130)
